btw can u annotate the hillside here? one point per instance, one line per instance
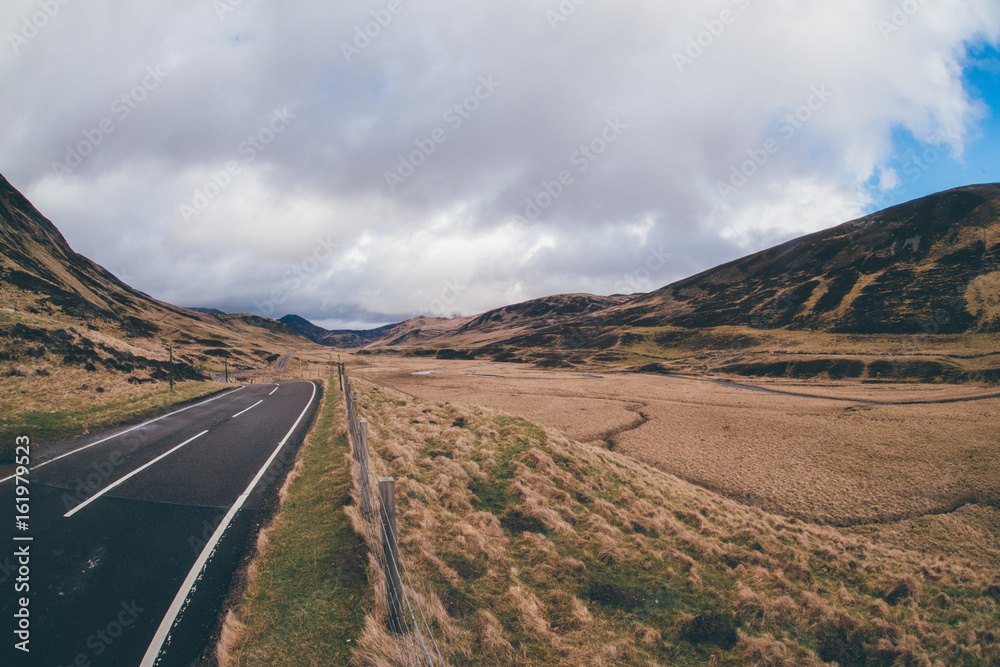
(436, 332)
(37, 260)
(540, 313)
(40, 272)
(887, 273)
(76, 338)
(491, 328)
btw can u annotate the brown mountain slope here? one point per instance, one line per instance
(35, 258)
(38, 266)
(495, 327)
(929, 263)
(536, 312)
(490, 327)
(73, 336)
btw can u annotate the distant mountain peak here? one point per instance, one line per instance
(293, 320)
(343, 339)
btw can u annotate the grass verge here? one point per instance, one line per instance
(307, 591)
(44, 426)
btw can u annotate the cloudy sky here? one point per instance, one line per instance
(359, 163)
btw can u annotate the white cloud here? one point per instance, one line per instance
(324, 175)
(800, 207)
(888, 179)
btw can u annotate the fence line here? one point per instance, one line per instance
(417, 645)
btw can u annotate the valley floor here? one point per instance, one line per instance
(905, 460)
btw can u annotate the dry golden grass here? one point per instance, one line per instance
(972, 532)
(982, 295)
(827, 462)
(839, 462)
(75, 414)
(874, 393)
(528, 548)
(65, 388)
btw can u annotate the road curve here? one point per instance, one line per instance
(278, 367)
(134, 535)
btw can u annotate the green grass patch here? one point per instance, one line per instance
(308, 602)
(493, 490)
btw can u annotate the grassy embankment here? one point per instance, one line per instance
(529, 549)
(63, 376)
(72, 419)
(307, 591)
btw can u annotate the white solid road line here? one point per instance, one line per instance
(248, 409)
(117, 435)
(129, 476)
(149, 659)
(275, 389)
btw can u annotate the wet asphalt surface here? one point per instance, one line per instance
(102, 580)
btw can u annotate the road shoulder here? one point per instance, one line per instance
(302, 596)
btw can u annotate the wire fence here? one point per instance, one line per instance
(304, 371)
(406, 617)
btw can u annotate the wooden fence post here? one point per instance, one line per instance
(390, 549)
(366, 505)
(355, 433)
(354, 418)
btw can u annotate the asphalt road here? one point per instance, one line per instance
(280, 366)
(134, 535)
(233, 373)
